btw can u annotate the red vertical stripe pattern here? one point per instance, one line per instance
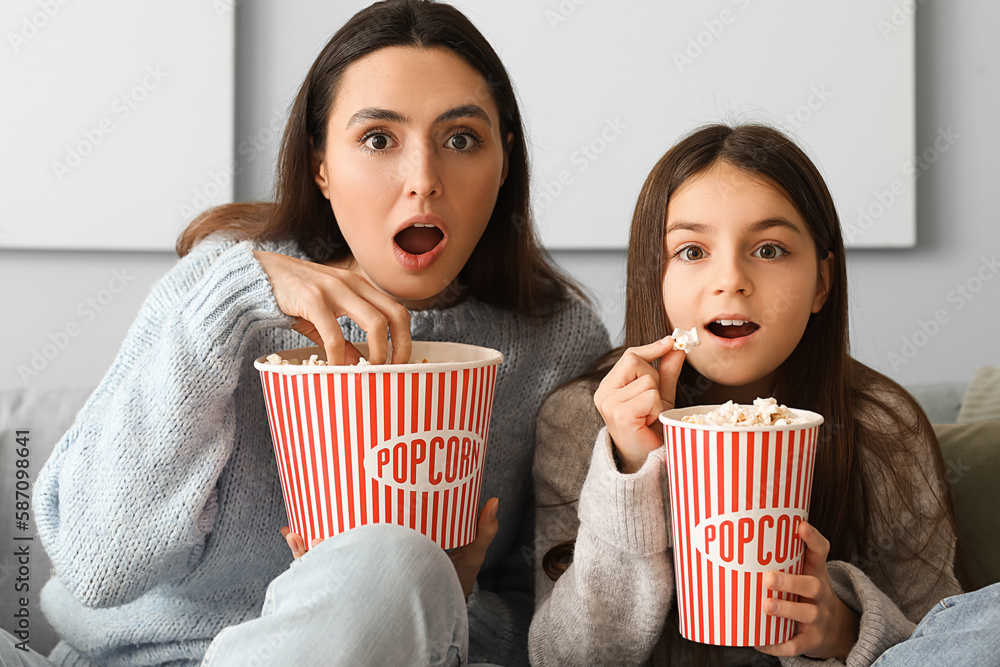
(752, 478)
(324, 424)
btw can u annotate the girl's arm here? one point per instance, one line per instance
(609, 607)
(128, 496)
(907, 567)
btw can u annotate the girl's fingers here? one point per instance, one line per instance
(295, 543)
(668, 372)
(804, 585)
(817, 548)
(803, 612)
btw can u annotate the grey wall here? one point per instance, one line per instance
(920, 315)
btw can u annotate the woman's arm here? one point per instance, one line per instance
(128, 497)
(610, 605)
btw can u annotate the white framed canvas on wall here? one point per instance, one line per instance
(118, 121)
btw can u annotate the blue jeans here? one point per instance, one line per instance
(375, 595)
(959, 630)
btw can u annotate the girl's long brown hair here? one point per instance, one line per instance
(508, 267)
(854, 455)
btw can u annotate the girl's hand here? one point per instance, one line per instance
(632, 396)
(317, 295)
(826, 627)
(467, 560)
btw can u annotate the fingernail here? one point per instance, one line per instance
(666, 339)
(771, 606)
(774, 580)
(493, 512)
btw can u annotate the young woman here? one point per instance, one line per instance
(735, 233)
(401, 213)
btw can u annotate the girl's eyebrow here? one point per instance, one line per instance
(388, 115)
(753, 228)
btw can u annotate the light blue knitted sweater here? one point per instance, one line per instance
(160, 508)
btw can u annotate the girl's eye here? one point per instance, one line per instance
(691, 253)
(770, 251)
(377, 141)
(463, 142)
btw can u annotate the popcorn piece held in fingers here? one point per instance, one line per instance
(685, 340)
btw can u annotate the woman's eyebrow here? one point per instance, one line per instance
(465, 111)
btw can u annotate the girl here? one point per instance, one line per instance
(736, 234)
(401, 213)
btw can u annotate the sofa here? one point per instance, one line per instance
(966, 418)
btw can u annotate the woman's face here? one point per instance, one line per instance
(742, 268)
(412, 166)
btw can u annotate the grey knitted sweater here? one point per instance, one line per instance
(160, 508)
(610, 607)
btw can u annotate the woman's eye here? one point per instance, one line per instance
(378, 142)
(692, 253)
(769, 252)
(462, 142)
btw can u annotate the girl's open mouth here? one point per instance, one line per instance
(731, 328)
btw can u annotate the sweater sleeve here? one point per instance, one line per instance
(128, 496)
(907, 567)
(610, 605)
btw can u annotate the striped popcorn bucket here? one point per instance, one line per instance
(737, 497)
(400, 443)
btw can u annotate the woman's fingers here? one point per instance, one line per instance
(316, 295)
(295, 543)
(469, 559)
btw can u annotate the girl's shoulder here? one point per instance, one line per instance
(883, 404)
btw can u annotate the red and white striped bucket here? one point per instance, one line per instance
(401, 443)
(737, 497)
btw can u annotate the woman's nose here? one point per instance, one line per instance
(421, 173)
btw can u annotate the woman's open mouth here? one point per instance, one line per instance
(417, 246)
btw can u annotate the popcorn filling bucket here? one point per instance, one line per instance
(401, 443)
(737, 497)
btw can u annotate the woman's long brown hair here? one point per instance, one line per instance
(508, 267)
(819, 375)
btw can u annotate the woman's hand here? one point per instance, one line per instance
(316, 295)
(467, 560)
(632, 396)
(826, 627)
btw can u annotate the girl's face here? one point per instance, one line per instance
(741, 267)
(412, 166)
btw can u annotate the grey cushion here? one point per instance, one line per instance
(940, 400)
(972, 466)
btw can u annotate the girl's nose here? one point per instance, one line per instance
(421, 173)
(731, 277)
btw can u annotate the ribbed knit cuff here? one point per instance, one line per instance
(882, 625)
(233, 299)
(628, 509)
